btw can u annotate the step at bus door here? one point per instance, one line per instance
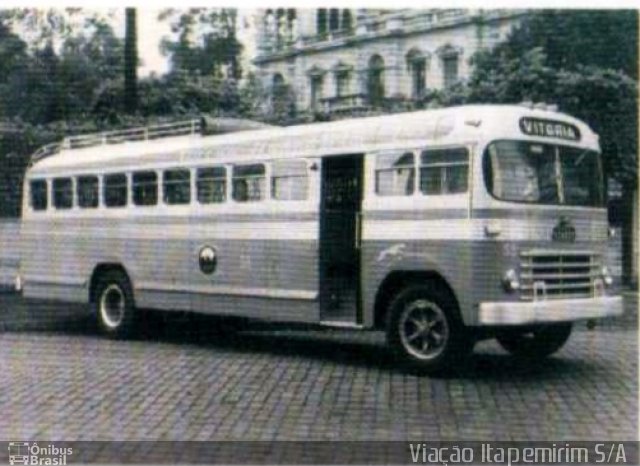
(340, 209)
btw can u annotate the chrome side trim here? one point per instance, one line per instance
(341, 324)
(45, 280)
(227, 290)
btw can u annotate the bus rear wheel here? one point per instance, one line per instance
(538, 342)
(114, 306)
(424, 331)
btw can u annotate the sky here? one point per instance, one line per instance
(150, 33)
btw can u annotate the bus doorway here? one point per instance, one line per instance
(340, 207)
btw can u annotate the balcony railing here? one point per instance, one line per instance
(344, 103)
(359, 103)
(405, 20)
(328, 36)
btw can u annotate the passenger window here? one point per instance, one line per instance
(289, 180)
(145, 188)
(395, 174)
(444, 171)
(115, 190)
(39, 196)
(249, 183)
(62, 193)
(87, 191)
(177, 186)
(211, 184)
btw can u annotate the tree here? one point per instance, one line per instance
(206, 41)
(13, 60)
(42, 26)
(130, 62)
(571, 38)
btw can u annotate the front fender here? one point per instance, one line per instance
(382, 259)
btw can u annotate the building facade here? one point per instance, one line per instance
(348, 60)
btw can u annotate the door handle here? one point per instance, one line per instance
(358, 226)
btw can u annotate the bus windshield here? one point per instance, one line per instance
(537, 173)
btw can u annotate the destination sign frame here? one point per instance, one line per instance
(540, 127)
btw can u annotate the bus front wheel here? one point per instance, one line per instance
(114, 306)
(538, 342)
(424, 331)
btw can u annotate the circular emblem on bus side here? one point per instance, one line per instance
(207, 259)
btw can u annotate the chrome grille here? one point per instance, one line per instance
(558, 274)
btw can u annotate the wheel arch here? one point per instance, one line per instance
(399, 279)
(102, 268)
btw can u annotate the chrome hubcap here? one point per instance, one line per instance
(112, 306)
(424, 330)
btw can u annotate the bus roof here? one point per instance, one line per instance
(452, 125)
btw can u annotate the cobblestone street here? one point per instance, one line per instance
(61, 381)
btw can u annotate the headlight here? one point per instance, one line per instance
(510, 281)
(606, 276)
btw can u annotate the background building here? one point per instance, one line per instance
(350, 60)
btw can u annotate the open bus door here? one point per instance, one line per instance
(340, 209)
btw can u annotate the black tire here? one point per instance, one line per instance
(113, 305)
(424, 329)
(536, 343)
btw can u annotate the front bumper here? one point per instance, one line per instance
(561, 310)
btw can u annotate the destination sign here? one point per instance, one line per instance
(549, 129)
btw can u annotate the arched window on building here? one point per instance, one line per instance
(375, 80)
(316, 81)
(281, 26)
(342, 78)
(450, 70)
(282, 98)
(277, 81)
(321, 21)
(347, 20)
(278, 87)
(291, 25)
(334, 19)
(450, 58)
(417, 67)
(269, 25)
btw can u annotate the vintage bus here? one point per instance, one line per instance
(439, 227)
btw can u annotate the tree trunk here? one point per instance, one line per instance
(130, 63)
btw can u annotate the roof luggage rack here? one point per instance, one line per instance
(205, 125)
(145, 133)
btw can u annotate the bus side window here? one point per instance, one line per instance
(145, 188)
(289, 180)
(395, 174)
(39, 197)
(177, 186)
(87, 191)
(444, 171)
(211, 184)
(115, 190)
(62, 193)
(249, 183)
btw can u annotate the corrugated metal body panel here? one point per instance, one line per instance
(161, 255)
(9, 252)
